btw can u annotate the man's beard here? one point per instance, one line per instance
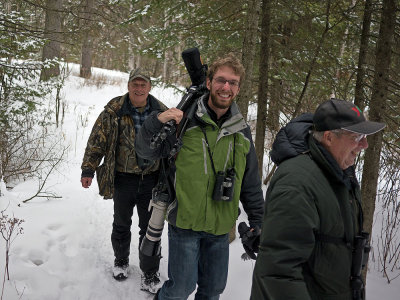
(215, 102)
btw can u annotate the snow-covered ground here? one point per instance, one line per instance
(65, 251)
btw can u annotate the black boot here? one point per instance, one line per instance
(150, 282)
(120, 270)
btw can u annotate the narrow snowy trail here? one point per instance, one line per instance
(65, 251)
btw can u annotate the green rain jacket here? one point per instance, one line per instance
(192, 205)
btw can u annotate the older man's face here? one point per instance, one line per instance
(344, 147)
(138, 89)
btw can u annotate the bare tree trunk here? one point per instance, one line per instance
(87, 45)
(52, 32)
(131, 53)
(131, 58)
(263, 84)
(359, 95)
(2, 144)
(138, 60)
(313, 61)
(8, 9)
(377, 110)
(343, 43)
(275, 90)
(165, 74)
(166, 58)
(274, 105)
(249, 47)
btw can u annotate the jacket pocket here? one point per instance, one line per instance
(331, 268)
(101, 179)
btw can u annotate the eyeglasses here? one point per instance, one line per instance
(220, 81)
(357, 137)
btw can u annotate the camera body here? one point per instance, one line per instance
(224, 185)
(360, 255)
(160, 195)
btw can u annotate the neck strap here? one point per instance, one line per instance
(209, 150)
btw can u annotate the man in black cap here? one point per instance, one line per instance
(313, 218)
(123, 176)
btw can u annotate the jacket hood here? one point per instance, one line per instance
(292, 139)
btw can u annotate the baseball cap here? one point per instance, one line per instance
(139, 73)
(340, 114)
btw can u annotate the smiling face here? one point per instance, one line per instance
(139, 90)
(344, 147)
(224, 87)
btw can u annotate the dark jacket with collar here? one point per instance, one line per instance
(309, 198)
(114, 134)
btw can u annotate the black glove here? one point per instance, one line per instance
(250, 239)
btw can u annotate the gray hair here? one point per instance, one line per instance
(318, 135)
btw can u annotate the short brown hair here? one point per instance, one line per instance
(229, 60)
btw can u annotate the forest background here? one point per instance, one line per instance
(297, 54)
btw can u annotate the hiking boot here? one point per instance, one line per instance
(120, 270)
(150, 282)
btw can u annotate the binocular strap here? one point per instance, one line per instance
(209, 150)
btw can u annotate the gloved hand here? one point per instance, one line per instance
(250, 239)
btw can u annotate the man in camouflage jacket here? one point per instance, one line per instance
(123, 175)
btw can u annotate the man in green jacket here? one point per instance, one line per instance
(313, 214)
(216, 144)
(124, 176)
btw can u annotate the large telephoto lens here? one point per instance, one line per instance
(151, 242)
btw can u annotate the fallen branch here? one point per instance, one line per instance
(40, 192)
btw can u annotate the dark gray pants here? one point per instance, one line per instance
(131, 190)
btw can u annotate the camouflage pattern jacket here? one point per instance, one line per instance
(115, 124)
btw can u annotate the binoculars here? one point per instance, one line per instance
(224, 185)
